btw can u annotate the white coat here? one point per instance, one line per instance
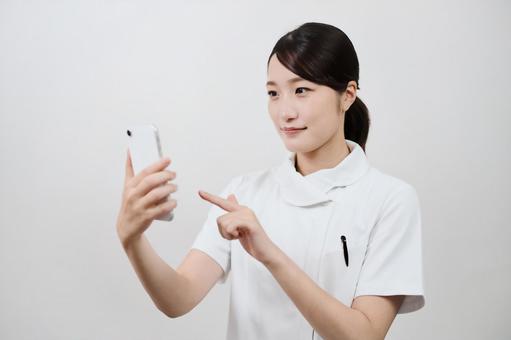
(305, 216)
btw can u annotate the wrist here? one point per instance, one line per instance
(128, 241)
(274, 257)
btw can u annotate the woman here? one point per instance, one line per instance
(322, 245)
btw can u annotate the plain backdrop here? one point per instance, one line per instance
(73, 74)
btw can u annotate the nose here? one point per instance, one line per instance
(288, 115)
(287, 109)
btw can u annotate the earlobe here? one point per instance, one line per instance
(348, 101)
(347, 98)
(351, 92)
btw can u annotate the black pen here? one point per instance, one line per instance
(345, 248)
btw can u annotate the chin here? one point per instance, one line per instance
(296, 148)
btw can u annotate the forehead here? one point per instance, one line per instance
(278, 73)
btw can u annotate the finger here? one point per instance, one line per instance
(225, 223)
(232, 235)
(219, 201)
(232, 228)
(129, 168)
(232, 198)
(234, 232)
(158, 194)
(161, 209)
(159, 165)
(221, 222)
(152, 181)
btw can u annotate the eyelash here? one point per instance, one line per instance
(305, 88)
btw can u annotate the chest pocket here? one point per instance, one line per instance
(339, 279)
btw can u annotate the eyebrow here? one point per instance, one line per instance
(292, 80)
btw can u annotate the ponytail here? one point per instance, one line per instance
(356, 123)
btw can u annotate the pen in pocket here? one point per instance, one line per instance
(345, 249)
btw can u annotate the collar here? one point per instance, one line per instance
(312, 189)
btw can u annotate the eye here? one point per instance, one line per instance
(302, 88)
(270, 93)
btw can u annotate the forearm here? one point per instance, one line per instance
(327, 315)
(170, 291)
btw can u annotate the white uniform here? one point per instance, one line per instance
(305, 216)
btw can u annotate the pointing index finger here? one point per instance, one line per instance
(218, 201)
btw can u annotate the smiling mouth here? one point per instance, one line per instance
(292, 132)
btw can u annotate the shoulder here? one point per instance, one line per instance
(390, 192)
(387, 184)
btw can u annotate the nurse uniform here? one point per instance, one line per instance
(305, 216)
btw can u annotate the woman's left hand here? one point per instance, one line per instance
(241, 223)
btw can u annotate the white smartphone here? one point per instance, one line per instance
(145, 149)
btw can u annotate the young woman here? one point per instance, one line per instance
(320, 246)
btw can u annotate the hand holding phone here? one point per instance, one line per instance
(146, 195)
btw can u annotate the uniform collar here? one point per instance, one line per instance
(312, 189)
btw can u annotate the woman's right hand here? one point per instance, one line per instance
(144, 198)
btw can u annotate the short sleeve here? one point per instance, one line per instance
(209, 239)
(393, 261)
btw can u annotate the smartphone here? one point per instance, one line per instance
(145, 149)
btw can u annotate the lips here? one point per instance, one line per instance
(292, 131)
(292, 128)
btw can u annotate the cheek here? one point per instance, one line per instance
(313, 116)
(273, 116)
(324, 112)
(323, 124)
(273, 113)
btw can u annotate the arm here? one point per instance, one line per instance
(174, 292)
(369, 318)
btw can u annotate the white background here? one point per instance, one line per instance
(73, 74)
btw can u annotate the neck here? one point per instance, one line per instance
(322, 158)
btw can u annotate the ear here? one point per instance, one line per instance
(349, 96)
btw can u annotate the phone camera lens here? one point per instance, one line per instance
(129, 132)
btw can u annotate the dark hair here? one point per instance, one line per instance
(323, 54)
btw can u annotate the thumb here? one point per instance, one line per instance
(129, 168)
(232, 198)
